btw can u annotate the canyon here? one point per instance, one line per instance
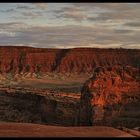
(70, 87)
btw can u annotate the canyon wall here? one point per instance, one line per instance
(111, 97)
(29, 107)
(78, 60)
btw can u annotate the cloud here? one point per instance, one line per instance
(30, 14)
(11, 25)
(70, 36)
(8, 10)
(41, 5)
(5, 34)
(75, 14)
(70, 13)
(89, 25)
(107, 6)
(24, 7)
(123, 31)
(29, 11)
(108, 14)
(133, 24)
(110, 11)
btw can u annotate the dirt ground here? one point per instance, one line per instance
(35, 130)
(59, 82)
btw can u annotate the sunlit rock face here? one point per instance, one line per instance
(111, 97)
(25, 60)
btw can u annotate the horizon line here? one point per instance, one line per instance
(23, 46)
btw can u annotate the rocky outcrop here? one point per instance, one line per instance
(37, 106)
(79, 60)
(111, 97)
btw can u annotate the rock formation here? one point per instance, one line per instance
(111, 97)
(37, 106)
(18, 60)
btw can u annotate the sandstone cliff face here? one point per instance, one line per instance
(79, 60)
(25, 59)
(111, 97)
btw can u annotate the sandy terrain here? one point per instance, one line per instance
(40, 83)
(35, 130)
(57, 82)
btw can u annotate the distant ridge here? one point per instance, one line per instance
(23, 59)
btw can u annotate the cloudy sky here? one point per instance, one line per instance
(67, 25)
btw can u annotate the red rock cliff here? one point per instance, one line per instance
(79, 60)
(112, 96)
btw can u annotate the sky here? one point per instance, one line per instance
(70, 25)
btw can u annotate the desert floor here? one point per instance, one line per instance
(36, 130)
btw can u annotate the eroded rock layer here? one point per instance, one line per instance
(112, 97)
(78, 60)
